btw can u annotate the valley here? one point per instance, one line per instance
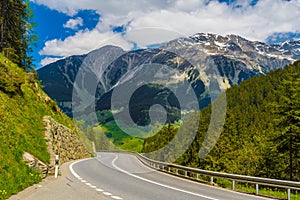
(209, 63)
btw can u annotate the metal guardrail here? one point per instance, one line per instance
(186, 172)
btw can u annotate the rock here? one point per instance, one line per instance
(36, 164)
(64, 142)
(61, 141)
(29, 159)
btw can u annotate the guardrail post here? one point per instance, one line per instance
(186, 174)
(211, 180)
(289, 194)
(257, 188)
(169, 169)
(176, 171)
(233, 184)
(56, 166)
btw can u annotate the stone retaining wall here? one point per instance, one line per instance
(64, 142)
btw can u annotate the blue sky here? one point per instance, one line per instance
(50, 25)
(69, 27)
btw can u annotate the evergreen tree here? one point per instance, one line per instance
(16, 31)
(288, 110)
(251, 142)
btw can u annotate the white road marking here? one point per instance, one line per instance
(89, 184)
(223, 189)
(159, 184)
(116, 197)
(107, 193)
(72, 170)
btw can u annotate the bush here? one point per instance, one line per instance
(10, 80)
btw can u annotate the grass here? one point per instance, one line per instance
(121, 139)
(268, 191)
(263, 190)
(22, 107)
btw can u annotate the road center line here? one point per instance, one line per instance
(156, 183)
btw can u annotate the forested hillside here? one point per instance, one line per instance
(261, 135)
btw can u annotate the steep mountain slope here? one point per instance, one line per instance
(251, 141)
(290, 47)
(58, 78)
(202, 59)
(257, 56)
(23, 106)
(54, 76)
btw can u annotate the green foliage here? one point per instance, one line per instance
(10, 79)
(288, 123)
(119, 138)
(252, 141)
(16, 31)
(96, 135)
(22, 107)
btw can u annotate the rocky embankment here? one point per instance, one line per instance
(64, 142)
(61, 141)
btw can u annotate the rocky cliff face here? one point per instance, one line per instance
(64, 142)
(290, 47)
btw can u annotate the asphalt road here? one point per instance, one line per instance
(123, 176)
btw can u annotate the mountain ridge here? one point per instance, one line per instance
(200, 58)
(252, 140)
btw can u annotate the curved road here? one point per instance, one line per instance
(123, 176)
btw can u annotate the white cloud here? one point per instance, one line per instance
(48, 60)
(74, 23)
(185, 17)
(256, 23)
(83, 42)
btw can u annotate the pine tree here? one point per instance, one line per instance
(16, 31)
(288, 121)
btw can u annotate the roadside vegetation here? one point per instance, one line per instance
(261, 135)
(22, 107)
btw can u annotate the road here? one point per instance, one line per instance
(123, 176)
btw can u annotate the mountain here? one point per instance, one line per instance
(257, 56)
(290, 48)
(261, 129)
(54, 77)
(209, 63)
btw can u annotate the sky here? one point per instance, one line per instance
(75, 27)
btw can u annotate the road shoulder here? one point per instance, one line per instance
(65, 186)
